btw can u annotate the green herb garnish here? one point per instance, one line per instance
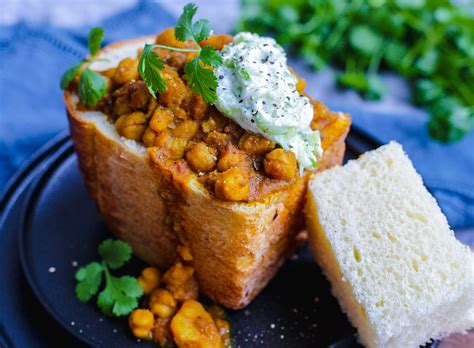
(120, 294)
(92, 85)
(199, 72)
(429, 42)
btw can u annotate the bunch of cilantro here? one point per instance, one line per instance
(429, 42)
(119, 295)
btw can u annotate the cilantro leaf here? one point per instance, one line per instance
(364, 39)
(94, 41)
(427, 63)
(202, 30)
(210, 56)
(186, 30)
(115, 253)
(69, 75)
(92, 87)
(450, 121)
(201, 80)
(89, 279)
(148, 68)
(199, 72)
(184, 27)
(120, 295)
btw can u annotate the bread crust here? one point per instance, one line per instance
(237, 247)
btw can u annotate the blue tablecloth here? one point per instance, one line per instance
(33, 58)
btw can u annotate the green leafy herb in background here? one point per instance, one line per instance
(120, 294)
(92, 85)
(429, 42)
(200, 77)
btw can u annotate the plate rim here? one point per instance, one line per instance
(28, 205)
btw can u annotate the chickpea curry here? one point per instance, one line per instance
(233, 164)
(172, 313)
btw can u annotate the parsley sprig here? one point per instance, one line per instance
(120, 294)
(199, 72)
(429, 42)
(92, 85)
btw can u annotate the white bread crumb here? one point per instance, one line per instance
(393, 262)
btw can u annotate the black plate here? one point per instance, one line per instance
(23, 320)
(61, 227)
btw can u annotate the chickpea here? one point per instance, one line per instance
(231, 157)
(187, 291)
(202, 158)
(162, 303)
(127, 70)
(176, 90)
(209, 125)
(160, 119)
(167, 38)
(193, 327)
(179, 112)
(217, 41)
(180, 282)
(175, 146)
(119, 123)
(185, 253)
(186, 129)
(152, 105)
(121, 105)
(149, 279)
(131, 126)
(280, 164)
(141, 323)
(232, 185)
(217, 139)
(177, 275)
(255, 144)
(149, 137)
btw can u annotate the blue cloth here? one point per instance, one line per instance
(32, 60)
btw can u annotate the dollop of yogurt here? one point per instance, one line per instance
(257, 91)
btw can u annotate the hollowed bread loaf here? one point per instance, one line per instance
(154, 206)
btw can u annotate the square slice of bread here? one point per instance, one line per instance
(393, 262)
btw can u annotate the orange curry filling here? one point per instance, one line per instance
(230, 162)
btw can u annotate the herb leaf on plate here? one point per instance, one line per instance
(115, 253)
(120, 294)
(89, 279)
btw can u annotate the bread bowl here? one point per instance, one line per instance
(156, 203)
